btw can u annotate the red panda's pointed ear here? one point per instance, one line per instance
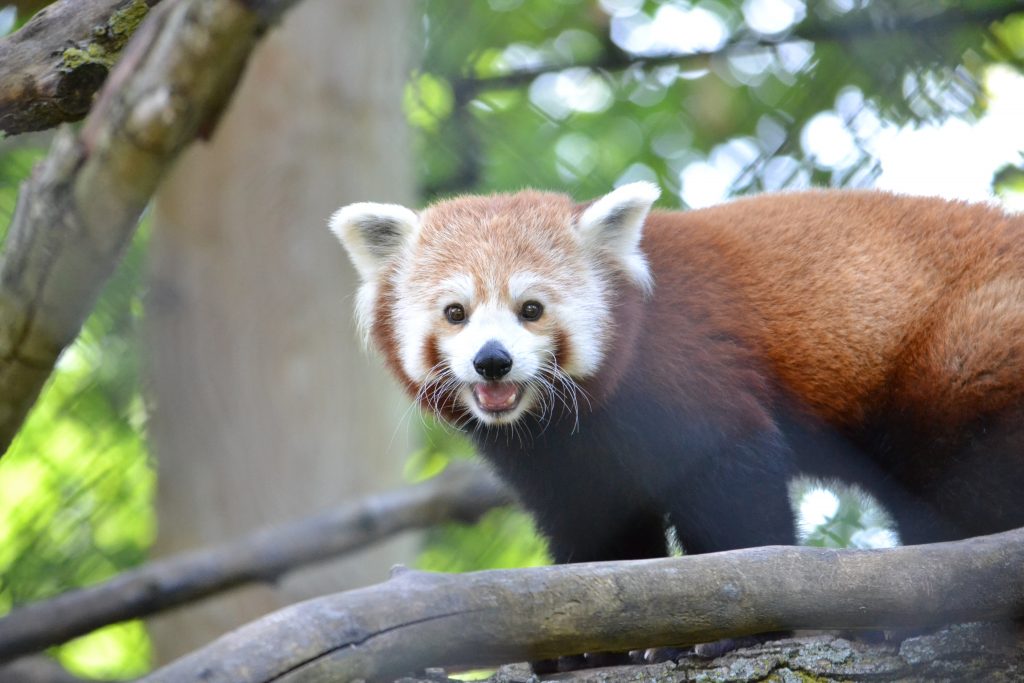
(614, 223)
(373, 233)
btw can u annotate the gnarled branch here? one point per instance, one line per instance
(486, 618)
(51, 68)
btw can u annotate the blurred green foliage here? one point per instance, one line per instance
(76, 503)
(77, 497)
(552, 94)
(1010, 180)
(833, 515)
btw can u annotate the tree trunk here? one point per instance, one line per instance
(264, 407)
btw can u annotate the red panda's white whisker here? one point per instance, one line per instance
(573, 389)
(568, 386)
(432, 377)
(404, 420)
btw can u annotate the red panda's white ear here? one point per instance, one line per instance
(373, 233)
(614, 224)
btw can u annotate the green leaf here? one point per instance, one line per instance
(424, 464)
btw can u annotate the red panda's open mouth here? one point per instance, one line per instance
(496, 397)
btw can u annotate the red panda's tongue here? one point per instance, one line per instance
(496, 396)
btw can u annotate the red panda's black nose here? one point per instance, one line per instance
(492, 361)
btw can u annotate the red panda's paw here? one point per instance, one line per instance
(660, 655)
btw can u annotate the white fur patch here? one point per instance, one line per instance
(493, 321)
(614, 224)
(417, 315)
(521, 284)
(414, 318)
(585, 319)
(366, 301)
(373, 233)
(457, 289)
(581, 314)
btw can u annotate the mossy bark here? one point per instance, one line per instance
(53, 66)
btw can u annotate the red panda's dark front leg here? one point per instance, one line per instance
(600, 537)
(734, 496)
(583, 496)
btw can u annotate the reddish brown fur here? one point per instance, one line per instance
(464, 234)
(562, 356)
(856, 298)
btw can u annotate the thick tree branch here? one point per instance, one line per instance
(462, 494)
(52, 67)
(417, 620)
(80, 207)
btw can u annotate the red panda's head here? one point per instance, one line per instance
(492, 307)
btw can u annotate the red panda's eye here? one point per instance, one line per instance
(455, 313)
(531, 310)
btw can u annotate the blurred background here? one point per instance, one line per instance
(220, 386)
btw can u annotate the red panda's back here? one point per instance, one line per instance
(844, 291)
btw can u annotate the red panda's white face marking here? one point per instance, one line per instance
(494, 389)
(493, 307)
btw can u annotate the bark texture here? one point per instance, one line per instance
(264, 405)
(79, 209)
(461, 495)
(51, 68)
(962, 652)
(976, 651)
(488, 618)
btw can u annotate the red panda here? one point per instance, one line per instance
(626, 369)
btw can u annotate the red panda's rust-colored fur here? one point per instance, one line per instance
(855, 299)
(879, 338)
